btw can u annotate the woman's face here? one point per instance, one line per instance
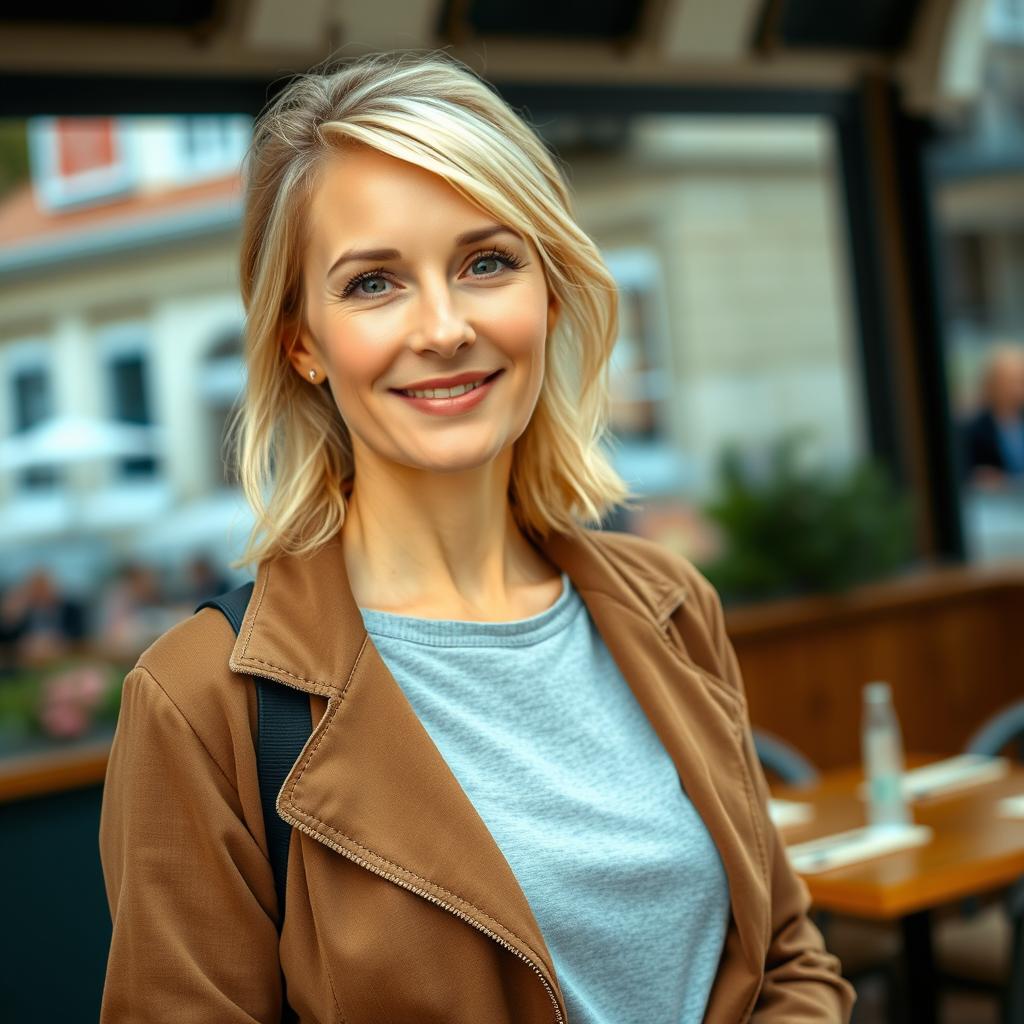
(454, 293)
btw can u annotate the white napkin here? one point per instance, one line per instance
(1012, 806)
(789, 812)
(950, 774)
(856, 844)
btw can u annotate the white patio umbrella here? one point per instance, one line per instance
(72, 440)
(216, 523)
(54, 529)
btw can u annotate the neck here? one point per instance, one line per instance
(417, 540)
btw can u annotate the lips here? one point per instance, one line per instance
(448, 382)
(448, 407)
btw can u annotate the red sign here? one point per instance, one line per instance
(85, 144)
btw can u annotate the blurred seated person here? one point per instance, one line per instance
(8, 635)
(204, 580)
(40, 623)
(994, 435)
(131, 615)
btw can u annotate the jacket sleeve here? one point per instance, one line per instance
(802, 981)
(191, 892)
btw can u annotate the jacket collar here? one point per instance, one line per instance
(304, 628)
(370, 783)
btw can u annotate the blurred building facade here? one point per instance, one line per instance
(119, 299)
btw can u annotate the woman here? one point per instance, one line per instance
(530, 793)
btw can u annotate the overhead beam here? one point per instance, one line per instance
(707, 30)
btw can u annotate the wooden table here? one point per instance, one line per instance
(974, 850)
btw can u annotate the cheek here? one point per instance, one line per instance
(522, 331)
(356, 358)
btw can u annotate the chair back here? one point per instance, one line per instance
(783, 759)
(1002, 729)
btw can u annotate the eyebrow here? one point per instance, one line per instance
(466, 238)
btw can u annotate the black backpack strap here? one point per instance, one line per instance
(284, 724)
(232, 604)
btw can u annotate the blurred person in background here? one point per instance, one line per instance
(39, 621)
(204, 580)
(129, 618)
(489, 822)
(9, 621)
(994, 436)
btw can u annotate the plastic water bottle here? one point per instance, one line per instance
(882, 749)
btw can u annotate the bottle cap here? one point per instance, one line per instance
(877, 693)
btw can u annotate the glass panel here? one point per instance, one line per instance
(977, 174)
(726, 237)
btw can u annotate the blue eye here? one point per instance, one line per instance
(371, 277)
(501, 256)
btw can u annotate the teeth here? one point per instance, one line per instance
(459, 389)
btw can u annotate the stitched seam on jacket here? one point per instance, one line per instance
(256, 611)
(324, 686)
(326, 721)
(719, 685)
(754, 808)
(390, 863)
(614, 556)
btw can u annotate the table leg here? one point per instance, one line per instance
(922, 998)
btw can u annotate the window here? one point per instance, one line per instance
(31, 404)
(128, 390)
(212, 145)
(223, 380)
(638, 379)
(1006, 20)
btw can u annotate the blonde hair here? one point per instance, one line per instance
(292, 448)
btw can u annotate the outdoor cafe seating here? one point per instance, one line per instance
(926, 919)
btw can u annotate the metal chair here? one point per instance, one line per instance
(1004, 729)
(980, 935)
(783, 760)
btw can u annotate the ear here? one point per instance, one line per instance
(554, 310)
(303, 353)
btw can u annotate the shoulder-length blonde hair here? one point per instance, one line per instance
(292, 448)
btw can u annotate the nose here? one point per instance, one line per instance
(442, 328)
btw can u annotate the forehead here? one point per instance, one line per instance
(361, 192)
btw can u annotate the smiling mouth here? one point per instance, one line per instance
(467, 389)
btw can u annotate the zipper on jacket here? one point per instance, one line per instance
(295, 823)
(433, 899)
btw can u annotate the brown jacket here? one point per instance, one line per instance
(400, 906)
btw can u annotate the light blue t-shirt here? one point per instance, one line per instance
(556, 755)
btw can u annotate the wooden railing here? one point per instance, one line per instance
(949, 642)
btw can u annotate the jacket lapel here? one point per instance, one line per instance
(371, 784)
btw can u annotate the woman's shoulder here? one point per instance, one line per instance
(189, 663)
(633, 553)
(696, 618)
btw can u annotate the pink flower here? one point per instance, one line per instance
(65, 720)
(69, 699)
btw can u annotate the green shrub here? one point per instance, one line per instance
(793, 528)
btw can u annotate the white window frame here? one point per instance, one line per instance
(59, 191)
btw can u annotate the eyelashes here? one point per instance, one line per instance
(508, 258)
